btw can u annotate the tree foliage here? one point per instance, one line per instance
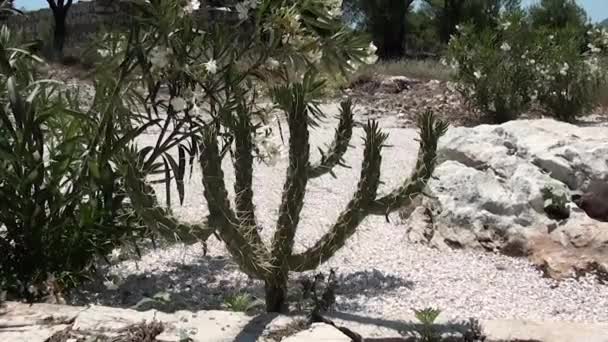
(385, 20)
(482, 14)
(558, 14)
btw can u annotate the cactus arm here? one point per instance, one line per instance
(155, 217)
(355, 211)
(335, 152)
(243, 169)
(363, 203)
(294, 104)
(241, 241)
(430, 132)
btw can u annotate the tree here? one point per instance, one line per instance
(447, 14)
(558, 14)
(562, 16)
(60, 10)
(385, 20)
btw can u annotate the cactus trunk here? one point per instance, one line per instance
(276, 294)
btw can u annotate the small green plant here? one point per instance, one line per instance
(427, 317)
(491, 67)
(555, 203)
(241, 302)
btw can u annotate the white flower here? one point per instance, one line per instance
(477, 74)
(272, 63)
(160, 57)
(103, 52)
(505, 25)
(458, 27)
(372, 48)
(443, 61)
(354, 65)
(505, 47)
(178, 104)
(242, 9)
(32, 289)
(115, 255)
(193, 5)
(371, 59)
(551, 37)
(534, 95)
(564, 70)
(593, 48)
(211, 66)
(335, 12)
(593, 65)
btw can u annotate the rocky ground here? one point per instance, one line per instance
(444, 258)
(383, 271)
(398, 99)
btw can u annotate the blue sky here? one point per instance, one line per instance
(596, 9)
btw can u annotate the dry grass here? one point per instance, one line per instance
(418, 69)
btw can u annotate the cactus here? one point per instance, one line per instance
(237, 227)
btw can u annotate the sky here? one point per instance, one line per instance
(596, 9)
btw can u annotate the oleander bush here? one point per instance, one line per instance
(492, 68)
(502, 72)
(60, 201)
(568, 81)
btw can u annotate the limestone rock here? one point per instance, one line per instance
(487, 192)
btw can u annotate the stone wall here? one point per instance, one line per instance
(85, 19)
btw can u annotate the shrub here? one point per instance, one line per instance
(60, 195)
(490, 70)
(568, 82)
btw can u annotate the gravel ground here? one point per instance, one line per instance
(381, 274)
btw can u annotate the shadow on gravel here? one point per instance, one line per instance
(206, 283)
(255, 328)
(194, 286)
(403, 328)
(366, 283)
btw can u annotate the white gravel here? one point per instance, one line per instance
(382, 275)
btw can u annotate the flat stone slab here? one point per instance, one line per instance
(319, 332)
(36, 323)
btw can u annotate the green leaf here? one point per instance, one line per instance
(167, 181)
(16, 103)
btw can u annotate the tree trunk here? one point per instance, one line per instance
(276, 296)
(59, 33)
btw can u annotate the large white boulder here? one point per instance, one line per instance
(486, 190)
